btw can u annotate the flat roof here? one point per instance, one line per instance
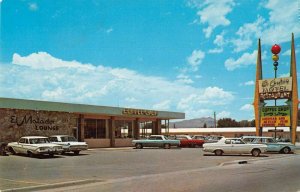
(12, 103)
(225, 130)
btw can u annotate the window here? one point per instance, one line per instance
(124, 129)
(238, 142)
(227, 141)
(22, 140)
(53, 139)
(95, 128)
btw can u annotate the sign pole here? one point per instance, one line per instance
(275, 50)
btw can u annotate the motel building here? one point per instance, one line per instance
(99, 126)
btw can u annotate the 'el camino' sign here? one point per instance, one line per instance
(141, 112)
(278, 88)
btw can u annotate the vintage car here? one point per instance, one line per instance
(187, 141)
(200, 137)
(69, 143)
(234, 146)
(212, 138)
(156, 141)
(273, 145)
(34, 145)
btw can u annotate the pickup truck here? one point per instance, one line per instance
(156, 141)
(187, 141)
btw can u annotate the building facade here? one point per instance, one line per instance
(99, 126)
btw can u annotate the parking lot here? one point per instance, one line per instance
(95, 165)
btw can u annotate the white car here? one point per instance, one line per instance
(34, 145)
(69, 143)
(234, 146)
(273, 145)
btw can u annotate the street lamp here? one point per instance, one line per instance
(275, 50)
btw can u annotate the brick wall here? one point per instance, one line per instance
(15, 123)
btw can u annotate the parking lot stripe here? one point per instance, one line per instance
(18, 181)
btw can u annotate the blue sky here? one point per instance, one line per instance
(188, 56)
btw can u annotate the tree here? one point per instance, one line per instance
(227, 122)
(204, 126)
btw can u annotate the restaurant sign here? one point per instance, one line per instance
(278, 88)
(277, 116)
(139, 112)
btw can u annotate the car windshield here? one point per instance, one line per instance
(38, 140)
(184, 137)
(68, 138)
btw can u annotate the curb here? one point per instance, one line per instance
(110, 149)
(254, 159)
(51, 186)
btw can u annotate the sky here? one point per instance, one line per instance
(191, 56)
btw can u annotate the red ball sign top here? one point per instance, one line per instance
(276, 49)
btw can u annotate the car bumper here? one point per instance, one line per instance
(75, 148)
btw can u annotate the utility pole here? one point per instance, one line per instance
(215, 120)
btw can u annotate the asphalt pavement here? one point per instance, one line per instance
(21, 173)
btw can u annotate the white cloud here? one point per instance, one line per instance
(195, 59)
(244, 60)
(213, 13)
(277, 28)
(223, 114)
(43, 60)
(33, 7)
(285, 75)
(288, 52)
(210, 96)
(43, 77)
(164, 105)
(219, 42)
(246, 34)
(182, 78)
(247, 107)
(131, 99)
(248, 83)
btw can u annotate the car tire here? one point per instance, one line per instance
(167, 146)
(286, 150)
(76, 152)
(29, 154)
(51, 155)
(11, 150)
(255, 152)
(218, 152)
(138, 146)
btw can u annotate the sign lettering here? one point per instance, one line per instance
(39, 124)
(278, 88)
(143, 112)
(278, 116)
